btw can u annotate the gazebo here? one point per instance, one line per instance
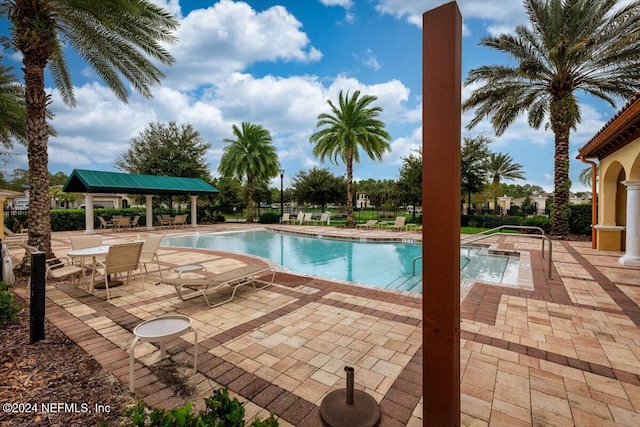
(91, 182)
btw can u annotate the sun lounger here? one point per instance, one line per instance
(232, 278)
(369, 225)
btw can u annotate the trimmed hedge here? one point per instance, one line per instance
(269, 218)
(579, 222)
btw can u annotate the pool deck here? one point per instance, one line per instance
(565, 353)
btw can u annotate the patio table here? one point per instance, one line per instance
(93, 252)
(160, 330)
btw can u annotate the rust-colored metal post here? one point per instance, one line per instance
(441, 122)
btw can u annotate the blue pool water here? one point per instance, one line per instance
(375, 264)
(382, 264)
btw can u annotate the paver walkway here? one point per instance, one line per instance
(563, 352)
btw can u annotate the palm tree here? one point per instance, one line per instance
(585, 175)
(501, 167)
(350, 125)
(250, 156)
(13, 119)
(587, 45)
(118, 38)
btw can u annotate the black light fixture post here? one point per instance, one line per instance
(281, 171)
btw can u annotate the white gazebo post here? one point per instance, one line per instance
(88, 213)
(505, 203)
(194, 212)
(149, 205)
(540, 202)
(632, 255)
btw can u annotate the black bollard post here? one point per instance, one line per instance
(350, 373)
(36, 313)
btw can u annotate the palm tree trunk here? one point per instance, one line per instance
(561, 110)
(249, 199)
(37, 136)
(349, 222)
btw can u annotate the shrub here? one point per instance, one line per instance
(538, 221)
(220, 411)
(8, 310)
(269, 218)
(580, 220)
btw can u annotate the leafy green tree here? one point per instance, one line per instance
(167, 149)
(500, 167)
(520, 191)
(474, 158)
(13, 115)
(410, 180)
(58, 178)
(230, 193)
(318, 186)
(118, 38)
(591, 46)
(352, 124)
(250, 156)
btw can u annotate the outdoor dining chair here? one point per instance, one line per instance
(149, 252)
(121, 259)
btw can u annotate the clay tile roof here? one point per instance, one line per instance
(614, 134)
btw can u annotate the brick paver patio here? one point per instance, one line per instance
(564, 351)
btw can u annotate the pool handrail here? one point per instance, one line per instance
(494, 231)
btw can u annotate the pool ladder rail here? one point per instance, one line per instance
(496, 232)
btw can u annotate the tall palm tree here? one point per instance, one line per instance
(587, 45)
(118, 38)
(13, 119)
(351, 124)
(501, 167)
(250, 156)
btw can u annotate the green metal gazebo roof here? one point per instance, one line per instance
(87, 181)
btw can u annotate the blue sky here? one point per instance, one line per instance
(276, 63)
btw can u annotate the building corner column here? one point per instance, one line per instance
(632, 242)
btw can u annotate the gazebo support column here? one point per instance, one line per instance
(149, 205)
(194, 212)
(632, 242)
(88, 214)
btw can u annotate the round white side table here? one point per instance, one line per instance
(160, 330)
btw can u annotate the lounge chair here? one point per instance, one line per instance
(399, 224)
(232, 278)
(163, 220)
(324, 218)
(180, 220)
(285, 219)
(369, 225)
(134, 222)
(298, 219)
(149, 252)
(104, 224)
(307, 218)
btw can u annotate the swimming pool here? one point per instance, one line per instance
(382, 264)
(370, 263)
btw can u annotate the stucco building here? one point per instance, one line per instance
(617, 149)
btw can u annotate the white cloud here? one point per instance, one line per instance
(228, 37)
(342, 3)
(369, 60)
(507, 13)
(404, 146)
